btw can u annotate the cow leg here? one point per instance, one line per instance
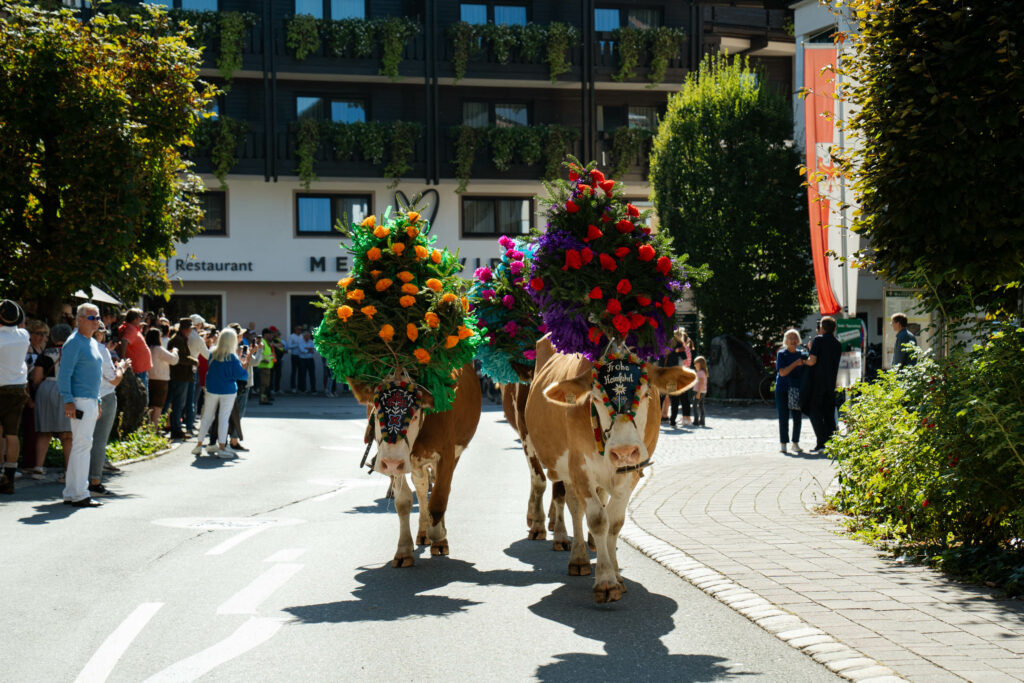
(556, 516)
(535, 507)
(616, 512)
(421, 480)
(403, 504)
(606, 580)
(579, 558)
(438, 502)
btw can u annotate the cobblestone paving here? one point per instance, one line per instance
(728, 499)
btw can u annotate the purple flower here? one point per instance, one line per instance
(506, 242)
(530, 354)
(511, 327)
(516, 267)
(483, 274)
(487, 294)
(509, 301)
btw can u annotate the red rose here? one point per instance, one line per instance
(647, 231)
(624, 226)
(573, 176)
(607, 262)
(632, 211)
(643, 300)
(664, 265)
(607, 186)
(645, 252)
(652, 322)
(594, 335)
(621, 323)
(587, 255)
(596, 176)
(636, 320)
(537, 284)
(624, 287)
(596, 293)
(585, 189)
(572, 260)
(571, 207)
(607, 218)
(668, 307)
(593, 233)
(621, 251)
(613, 306)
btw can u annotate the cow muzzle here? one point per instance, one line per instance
(624, 456)
(392, 467)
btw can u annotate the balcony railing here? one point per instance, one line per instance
(745, 18)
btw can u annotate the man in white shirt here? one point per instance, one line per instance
(196, 348)
(14, 343)
(293, 344)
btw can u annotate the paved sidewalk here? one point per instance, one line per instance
(728, 500)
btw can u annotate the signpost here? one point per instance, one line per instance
(852, 335)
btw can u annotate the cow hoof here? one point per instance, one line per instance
(579, 568)
(551, 524)
(560, 545)
(401, 561)
(607, 592)
(536, 535)
(421, 538)
(439, 548)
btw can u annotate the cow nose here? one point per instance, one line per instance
(625, 455)
(392, 466)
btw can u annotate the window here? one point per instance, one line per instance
(476, 114)
(316, 214)
(341, 111)
(473, 14)
(490, 216)
(196, 5)
(508, 115)
(480, 13)
(214, 214)
(483, 114)
(335, 9)
(510, 14)
(309, 107)
(606, 19)
(348, 111)
(643, 117)
(643, 18)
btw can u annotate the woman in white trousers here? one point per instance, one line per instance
(221, 389)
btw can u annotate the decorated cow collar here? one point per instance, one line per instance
(394, 405)
(619, 378)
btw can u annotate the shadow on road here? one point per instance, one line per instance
(49, 512)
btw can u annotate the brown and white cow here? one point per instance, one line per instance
(425, 446)
(596, 450)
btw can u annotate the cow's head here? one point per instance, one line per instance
(619, 390)
(396, 406)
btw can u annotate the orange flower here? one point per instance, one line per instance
(412, 231)
(380, 232)
(422, 356)
(405, 276)
(369, 222)
(435, 256)
(375, 273)
(344, 282)
(464, 332)
(344, 313)
(398, 247)
(432, 319)
(465, 304)
(448, 298)
(368, 311)
(356, 295)
(450, 341)
(413, 216)
(421, 252)
(410, 289)
(383, 284)
(387, 333)
(373, 254)
(407, 301)
(434, 284)
(411, 332)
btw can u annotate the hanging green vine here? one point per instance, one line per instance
(502, 37)
(373, 140)
(467, 139)
(307, 134)
(233, 26)
(503, 141)
(558, 142)
(302, 36)
(224, 151)
(531, 144)
(394, 33)
(629, 41)
(665, 43)
(533, 40)
(343, 139)
(560, 39)
(464, 43)
(627, 144)
(204, 24)
(403, 144)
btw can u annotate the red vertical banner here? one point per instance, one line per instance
(819, 127)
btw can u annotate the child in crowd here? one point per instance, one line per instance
(700, 364)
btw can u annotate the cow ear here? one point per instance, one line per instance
(570, 392)
(426, 399)
(524, 372)
(674, 380)
(362, 392)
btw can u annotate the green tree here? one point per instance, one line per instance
(93, 187)
(727, 188)
(937, 165)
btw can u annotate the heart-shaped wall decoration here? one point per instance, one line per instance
(425, 202)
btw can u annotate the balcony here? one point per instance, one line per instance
(512, 153)
(626, 153)
(744, 20)
(507, 52)
(340, 49)
(608, 60)
(365, 152)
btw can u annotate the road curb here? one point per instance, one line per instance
(840, 658)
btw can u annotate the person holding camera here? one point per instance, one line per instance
(78, 379)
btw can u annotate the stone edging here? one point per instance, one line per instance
(838, 657)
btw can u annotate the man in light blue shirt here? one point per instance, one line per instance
(81, 366)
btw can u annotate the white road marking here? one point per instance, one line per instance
(225, 523)
(286, 555)
(341, 485)
(227, 545)
(249, 598)
(347, 449)
(103, 662)
(249, 635)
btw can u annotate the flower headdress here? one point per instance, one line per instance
(507, 313)
(599, 276)
(401, 309)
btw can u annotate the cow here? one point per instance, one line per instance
(597, 447)
(426, 446)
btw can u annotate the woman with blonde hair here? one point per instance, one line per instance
(221, 388)
(790, 366)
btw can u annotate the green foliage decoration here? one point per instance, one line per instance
(205, 26)
(233, 26)
(402, 308)
(302, 35)
(503, 141)
(307, 138)
(726, 186)
(627, 144)
(629, 42)
(551, 43)
(95, 189)
(348, 37)
(373, 140)
(939, 89)
(533, 39)
(464, 44)
(558, 143)
(219, 137)
(560, 39)
(467, 140)
(665, 43)
(402, 146)
(502, 37)
(526, 144)
(394, 33)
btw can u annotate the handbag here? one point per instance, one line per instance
(794, 398)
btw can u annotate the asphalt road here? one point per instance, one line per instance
(276, 567)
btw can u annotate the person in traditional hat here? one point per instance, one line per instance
(197, 348)
(14, 343)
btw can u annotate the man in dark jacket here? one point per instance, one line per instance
(182, 376)
(818, 399)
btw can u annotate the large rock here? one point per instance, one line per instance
(734, 369)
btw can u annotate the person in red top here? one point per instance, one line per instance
(134, 347)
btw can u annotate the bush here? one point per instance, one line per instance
(146, 440)
(932, 459)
